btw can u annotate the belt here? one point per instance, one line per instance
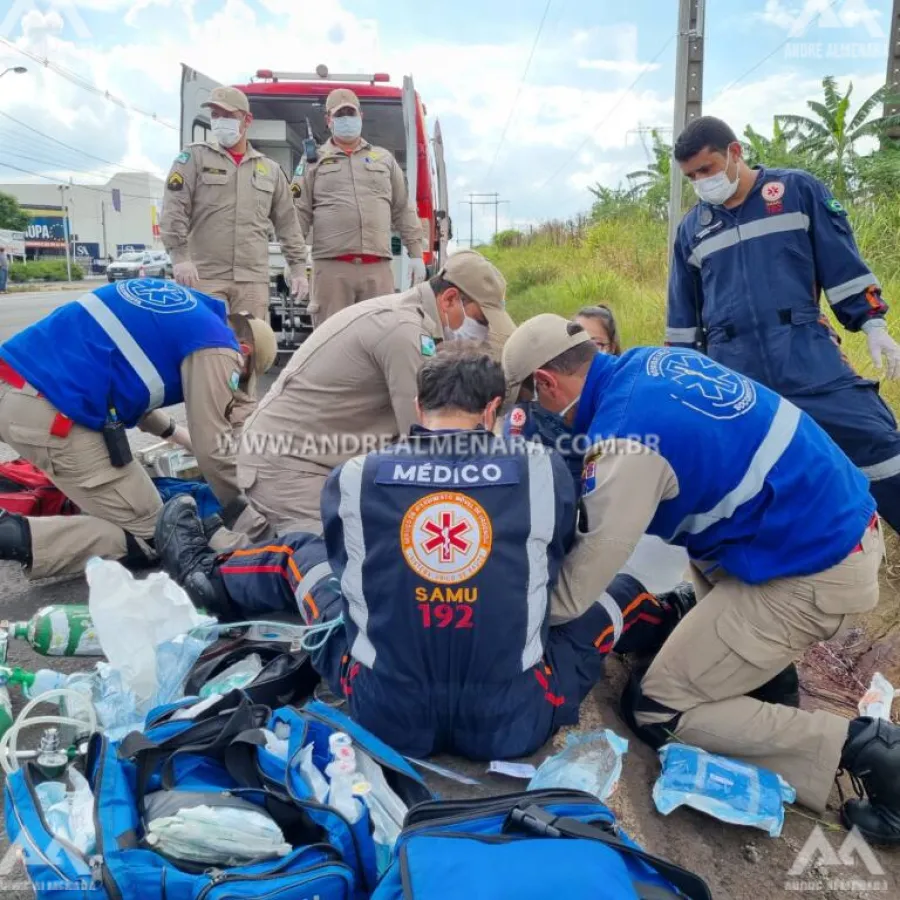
(873, 524)
(61, 425)
(361, 259)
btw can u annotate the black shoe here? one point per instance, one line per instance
(784, 688)
(677, 603)
(211, 524)
(871, 756)
(182, 545)
(15, 538)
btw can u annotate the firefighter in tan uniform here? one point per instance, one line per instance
(351, 387)
(222, 200)
(120, 354)
(351, 198)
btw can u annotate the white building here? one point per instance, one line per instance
(103, 220)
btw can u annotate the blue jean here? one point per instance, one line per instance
(4, 275)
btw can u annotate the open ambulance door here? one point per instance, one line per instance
(410, 115)
(442, 207)
(195, 89)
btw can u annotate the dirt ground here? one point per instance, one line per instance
(738, 863)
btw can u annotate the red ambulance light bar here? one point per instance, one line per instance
(323, 73)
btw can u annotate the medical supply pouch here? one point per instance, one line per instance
(728, 789)
(531, 846)
(287, 675)
(315, 723)
(179, 764)
(26, 490)
(124, 868)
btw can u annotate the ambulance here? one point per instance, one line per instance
(289, 122)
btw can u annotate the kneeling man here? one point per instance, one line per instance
(446, 555)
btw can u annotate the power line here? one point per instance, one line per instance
(87, 187)
(512, 109)
(610, 111)
(86, 85)
(766, 58)
(63, 144)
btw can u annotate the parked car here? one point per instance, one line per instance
(138, 264)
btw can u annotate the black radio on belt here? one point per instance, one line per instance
(116, 438)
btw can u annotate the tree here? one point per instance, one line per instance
(12, 216)
(832, 134)
(650, 186)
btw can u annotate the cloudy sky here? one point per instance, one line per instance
(598, 74)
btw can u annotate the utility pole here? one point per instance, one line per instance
(103, 225)
(893, 69)
(496, 202)
(688, 93)
(62, 202)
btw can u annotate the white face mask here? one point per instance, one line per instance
(565, 409)
(472, 330)
(716, 189)
(227, 132)
(346, 128)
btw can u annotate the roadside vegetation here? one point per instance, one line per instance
(617, 254)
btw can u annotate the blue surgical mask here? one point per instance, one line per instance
(346, 128)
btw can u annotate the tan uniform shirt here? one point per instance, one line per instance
(351, 203)
(219, 215)
(208, 378)
(350, 386)
(631, 482)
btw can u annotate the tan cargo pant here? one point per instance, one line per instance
(337, 285)
(280, 501)
(740, 636)
(241, 296)
(112, 500)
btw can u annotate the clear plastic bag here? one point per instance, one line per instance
(589, 762)
(70, 814)
(174, 660)
(235, 676)
(727, 789)
(218, 835)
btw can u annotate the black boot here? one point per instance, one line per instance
(184, 552)
(871, 756)
(15, 538)
(677, 603)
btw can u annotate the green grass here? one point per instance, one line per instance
(622, 262)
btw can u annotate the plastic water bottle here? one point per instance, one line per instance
(59, 631)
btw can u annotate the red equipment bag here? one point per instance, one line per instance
(26, 490)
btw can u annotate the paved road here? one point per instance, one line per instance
(19, 310)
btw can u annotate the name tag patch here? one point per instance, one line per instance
(480, 473)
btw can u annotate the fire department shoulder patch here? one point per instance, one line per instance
(517, 419)
(446, 537)
(175, 182)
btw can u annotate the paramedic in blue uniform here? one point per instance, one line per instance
(446, 556)
(74, 381)
(750, 262)
(782, 535)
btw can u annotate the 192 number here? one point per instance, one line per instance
(443, 615)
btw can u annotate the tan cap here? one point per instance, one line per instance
(534, 344)
(340, 98)
(228, 98)
(482, 282)
(265, 344)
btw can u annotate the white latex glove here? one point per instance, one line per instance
(181, 437)
(880, 342)
(186, 273)
(417, 268)
(299, 287)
